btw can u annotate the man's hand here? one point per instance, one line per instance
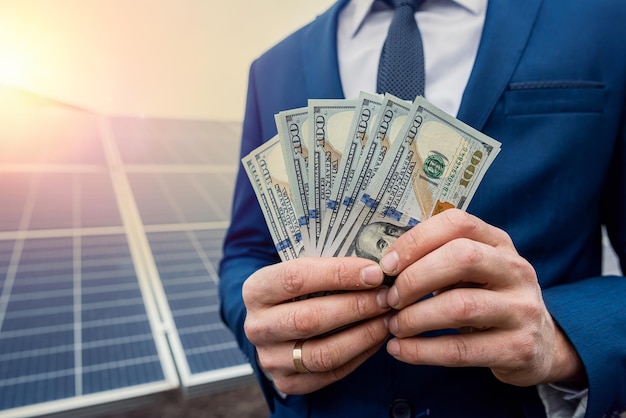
(484, 288)
(275, 321)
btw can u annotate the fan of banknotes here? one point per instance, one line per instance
(347, 177)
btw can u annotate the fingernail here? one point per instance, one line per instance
(372, 275)
(393, 299)
(381, 298)
(393, 347)
(389, 263)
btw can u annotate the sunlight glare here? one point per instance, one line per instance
(14, 67)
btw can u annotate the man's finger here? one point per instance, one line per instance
(461, 261)
(318, 316)
(327, 359)
(456, 308)
(479, 349)
(433, 233)
(305, 276)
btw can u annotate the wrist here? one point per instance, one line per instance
(568, 367)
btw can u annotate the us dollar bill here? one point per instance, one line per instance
(266, 170)
(329, 121)
(357, 137)
(391, 117)
(368, 182)
(293, 131)
(436, 164)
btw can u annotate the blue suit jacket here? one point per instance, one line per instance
(549, 83)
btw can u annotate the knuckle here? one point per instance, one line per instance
(465, 253)
(527, 271)
(527, 309)
(343, 275)
(456, 351)
(461, 221)
(503, 237)
(303, 321)
(413, 352)
(412, 240)
(464, 307)
(291, 280)
(407, 320)
(252, 330)
(246, 292)
(361, 304)
(522, 347)
(372, 334)
(249, 291)
(531, 312)
(324, 358)
(268, 363)
(522, 269)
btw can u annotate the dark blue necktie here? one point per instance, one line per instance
(401, 65)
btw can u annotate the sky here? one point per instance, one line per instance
(184, 59)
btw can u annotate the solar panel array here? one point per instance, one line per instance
(110, 233)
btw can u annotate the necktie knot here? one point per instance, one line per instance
(413, 4)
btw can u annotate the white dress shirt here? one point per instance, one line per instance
(451, 32)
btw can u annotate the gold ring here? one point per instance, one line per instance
(297, 358)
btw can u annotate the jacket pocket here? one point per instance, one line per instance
(554, 96)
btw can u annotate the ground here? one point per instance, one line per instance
(245, 401)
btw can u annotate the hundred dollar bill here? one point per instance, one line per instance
(357, 137)
(293, 130)
(391, 117)
(267, 172)
(435, 164)
(329, 121)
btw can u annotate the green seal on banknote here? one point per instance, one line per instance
(434, 166)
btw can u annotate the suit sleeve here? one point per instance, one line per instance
(592, 312)
(248, 244)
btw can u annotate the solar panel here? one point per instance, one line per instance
(110, 234)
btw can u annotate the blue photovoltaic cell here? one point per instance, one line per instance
(211, 241)
(27, 315)
(98, 206)
(56, 194)
(53, 202)
(164, 198)
(43, 324)
(6, 249)
(168, 141)
(187, 264)
(14, 189)
(37, 391)
(112, 361)
(144, 370)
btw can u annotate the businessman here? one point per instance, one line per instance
(499, 312)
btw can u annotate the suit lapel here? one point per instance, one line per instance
(319, 56)
(508, 25)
